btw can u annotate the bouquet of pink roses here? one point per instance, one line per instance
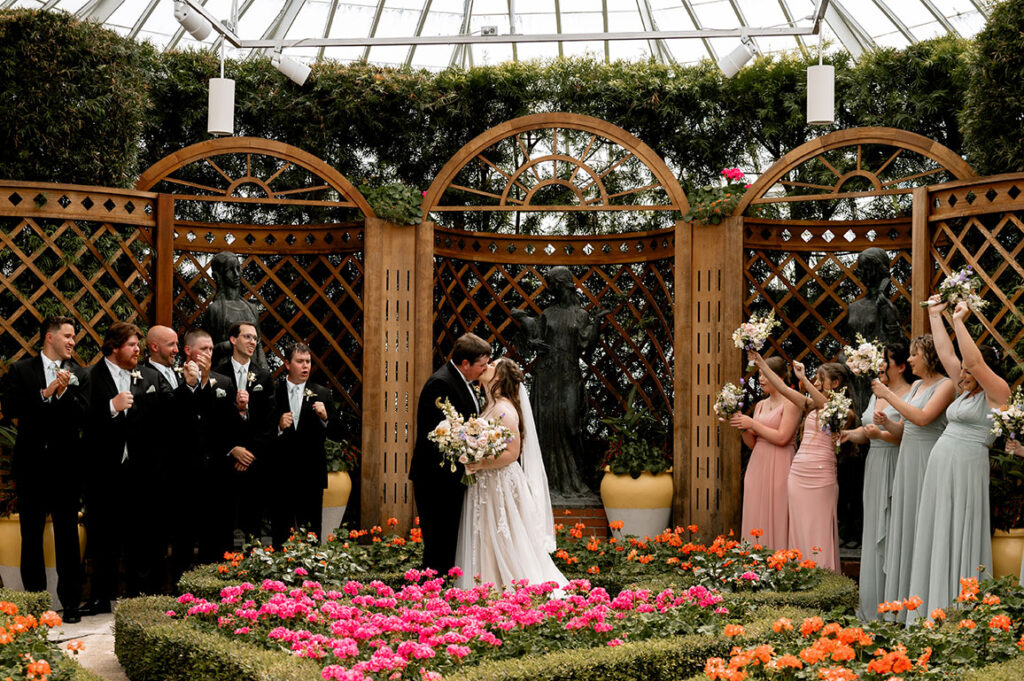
(867, 359)
(729, 401)
(755, 332)
(832, 416)
(465, 442)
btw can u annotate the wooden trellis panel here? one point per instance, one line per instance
(636, 342)
(981, 224)
(807, 273)
(67, 249)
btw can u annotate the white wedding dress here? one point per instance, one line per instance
(507, 529)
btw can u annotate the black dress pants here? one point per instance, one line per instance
(37, 498)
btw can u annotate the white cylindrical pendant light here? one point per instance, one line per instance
(192, 21)
(821, 94)
(221, 119)
(295, 70)
(731, 63)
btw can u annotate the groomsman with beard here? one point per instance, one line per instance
(175, 444)
(299, 460)
(47, 395)
(246, 431)
(437, 489)
(127, 403)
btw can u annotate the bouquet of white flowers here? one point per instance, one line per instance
(730, 400)
(754, 332)
(1009, 422)
(962, 285)
(464, 442)
(832, 416)
(867, 359)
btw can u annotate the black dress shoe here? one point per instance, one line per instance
(95, 606)
(71, 616)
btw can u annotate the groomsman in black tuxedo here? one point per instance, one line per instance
(304, 418)
(127, 403)
(246, 431)
(47, 395)
(439, 491)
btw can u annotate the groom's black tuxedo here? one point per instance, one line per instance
(437, 489)
(47, 472)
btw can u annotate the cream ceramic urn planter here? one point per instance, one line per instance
(10, 555)
(339, 487)
(1007, 548)
(644, 504)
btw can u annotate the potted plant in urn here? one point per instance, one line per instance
(637, 484)
(342, 457)
(1006, 495)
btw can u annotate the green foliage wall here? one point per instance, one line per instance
(62, 82)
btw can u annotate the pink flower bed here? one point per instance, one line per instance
(371, 631)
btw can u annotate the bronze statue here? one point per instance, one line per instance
(874, 316)
(228, 307)
(564, 334)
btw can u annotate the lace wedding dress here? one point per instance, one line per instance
(507, 530)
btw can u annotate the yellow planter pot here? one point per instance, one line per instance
(1007, 548)
(644, 504)
(339, 487)
(10, 554)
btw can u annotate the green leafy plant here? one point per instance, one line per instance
(341, 456)
(395, 202)
(711, 204)
(638, 441)
(8, 498)
(1006, 490)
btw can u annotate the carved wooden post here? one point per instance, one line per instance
(163, 261)
(715, 291)
(921, 262)
(395, 338)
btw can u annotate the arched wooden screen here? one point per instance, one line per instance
(604, 194)
(800, 243)
(297, 224)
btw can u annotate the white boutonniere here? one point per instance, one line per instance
(72, 380)
(179, 369)
(219, 392)
(151, 389)
(252, 378)
(213, 381)
(309, 393)
(136, 375)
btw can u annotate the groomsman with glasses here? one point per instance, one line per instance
(304, 420)
(47, 396)
(247, 430)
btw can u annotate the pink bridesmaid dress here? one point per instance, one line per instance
(813, 494)
(765, 485)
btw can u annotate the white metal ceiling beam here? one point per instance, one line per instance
(980, 7)
(789, 17)
(940, 17)
(558, 26)
(697, 24)
(327, 27)
(7, 4)
(420, 23)
(604, 24)
(143, 18)
(896, 21)
(512, 28)
(657, 47)
(242, 9)
(738, 11)
(850, 33)
(459, 53)
(373, 27)
(282, 23)
(101, 10)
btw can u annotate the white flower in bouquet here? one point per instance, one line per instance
(755, 332)
(961, 285)
(1009, 422)
(832, 416)
(729, 400)
(867, 359)
(465, 442)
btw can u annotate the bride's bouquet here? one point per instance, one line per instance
(832, 416)
(1009, 422)
(867, 359)
(755, 332)
(962, 285)
(729, 400)
(465, 442)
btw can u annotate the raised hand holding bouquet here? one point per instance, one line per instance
(961, 285)
(729, 401)
(467, 442)
(755, 332)
(867, 359)
(1009, 421)
(832, 417)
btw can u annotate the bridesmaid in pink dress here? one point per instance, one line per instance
(771, 435)
(813, 486)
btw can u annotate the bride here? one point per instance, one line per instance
(507, 530)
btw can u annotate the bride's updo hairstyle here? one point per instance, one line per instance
(507, 379)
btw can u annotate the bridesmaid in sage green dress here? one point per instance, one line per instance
(923, 415)
(879, 471)
(954, 535)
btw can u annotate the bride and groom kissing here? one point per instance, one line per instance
(501, 528)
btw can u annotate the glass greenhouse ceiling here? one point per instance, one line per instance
(857, 25)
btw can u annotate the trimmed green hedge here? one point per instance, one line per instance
(153, 647)
(1010, 670)
(28, 602)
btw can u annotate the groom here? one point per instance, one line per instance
(439, 491)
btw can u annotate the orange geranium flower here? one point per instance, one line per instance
(810, 625)
(734, 630)
(616, 524)
(8, 608)
(756, 533)
(912, 603)
(990, 599)
(938, 614)
(1000, 622)
(594, 570)
(75, 646)
(968, 589)
(782, 624)
(966, 624)
(836, 674)
(788, 662)
(50, 619)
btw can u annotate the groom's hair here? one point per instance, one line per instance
(469, 347)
